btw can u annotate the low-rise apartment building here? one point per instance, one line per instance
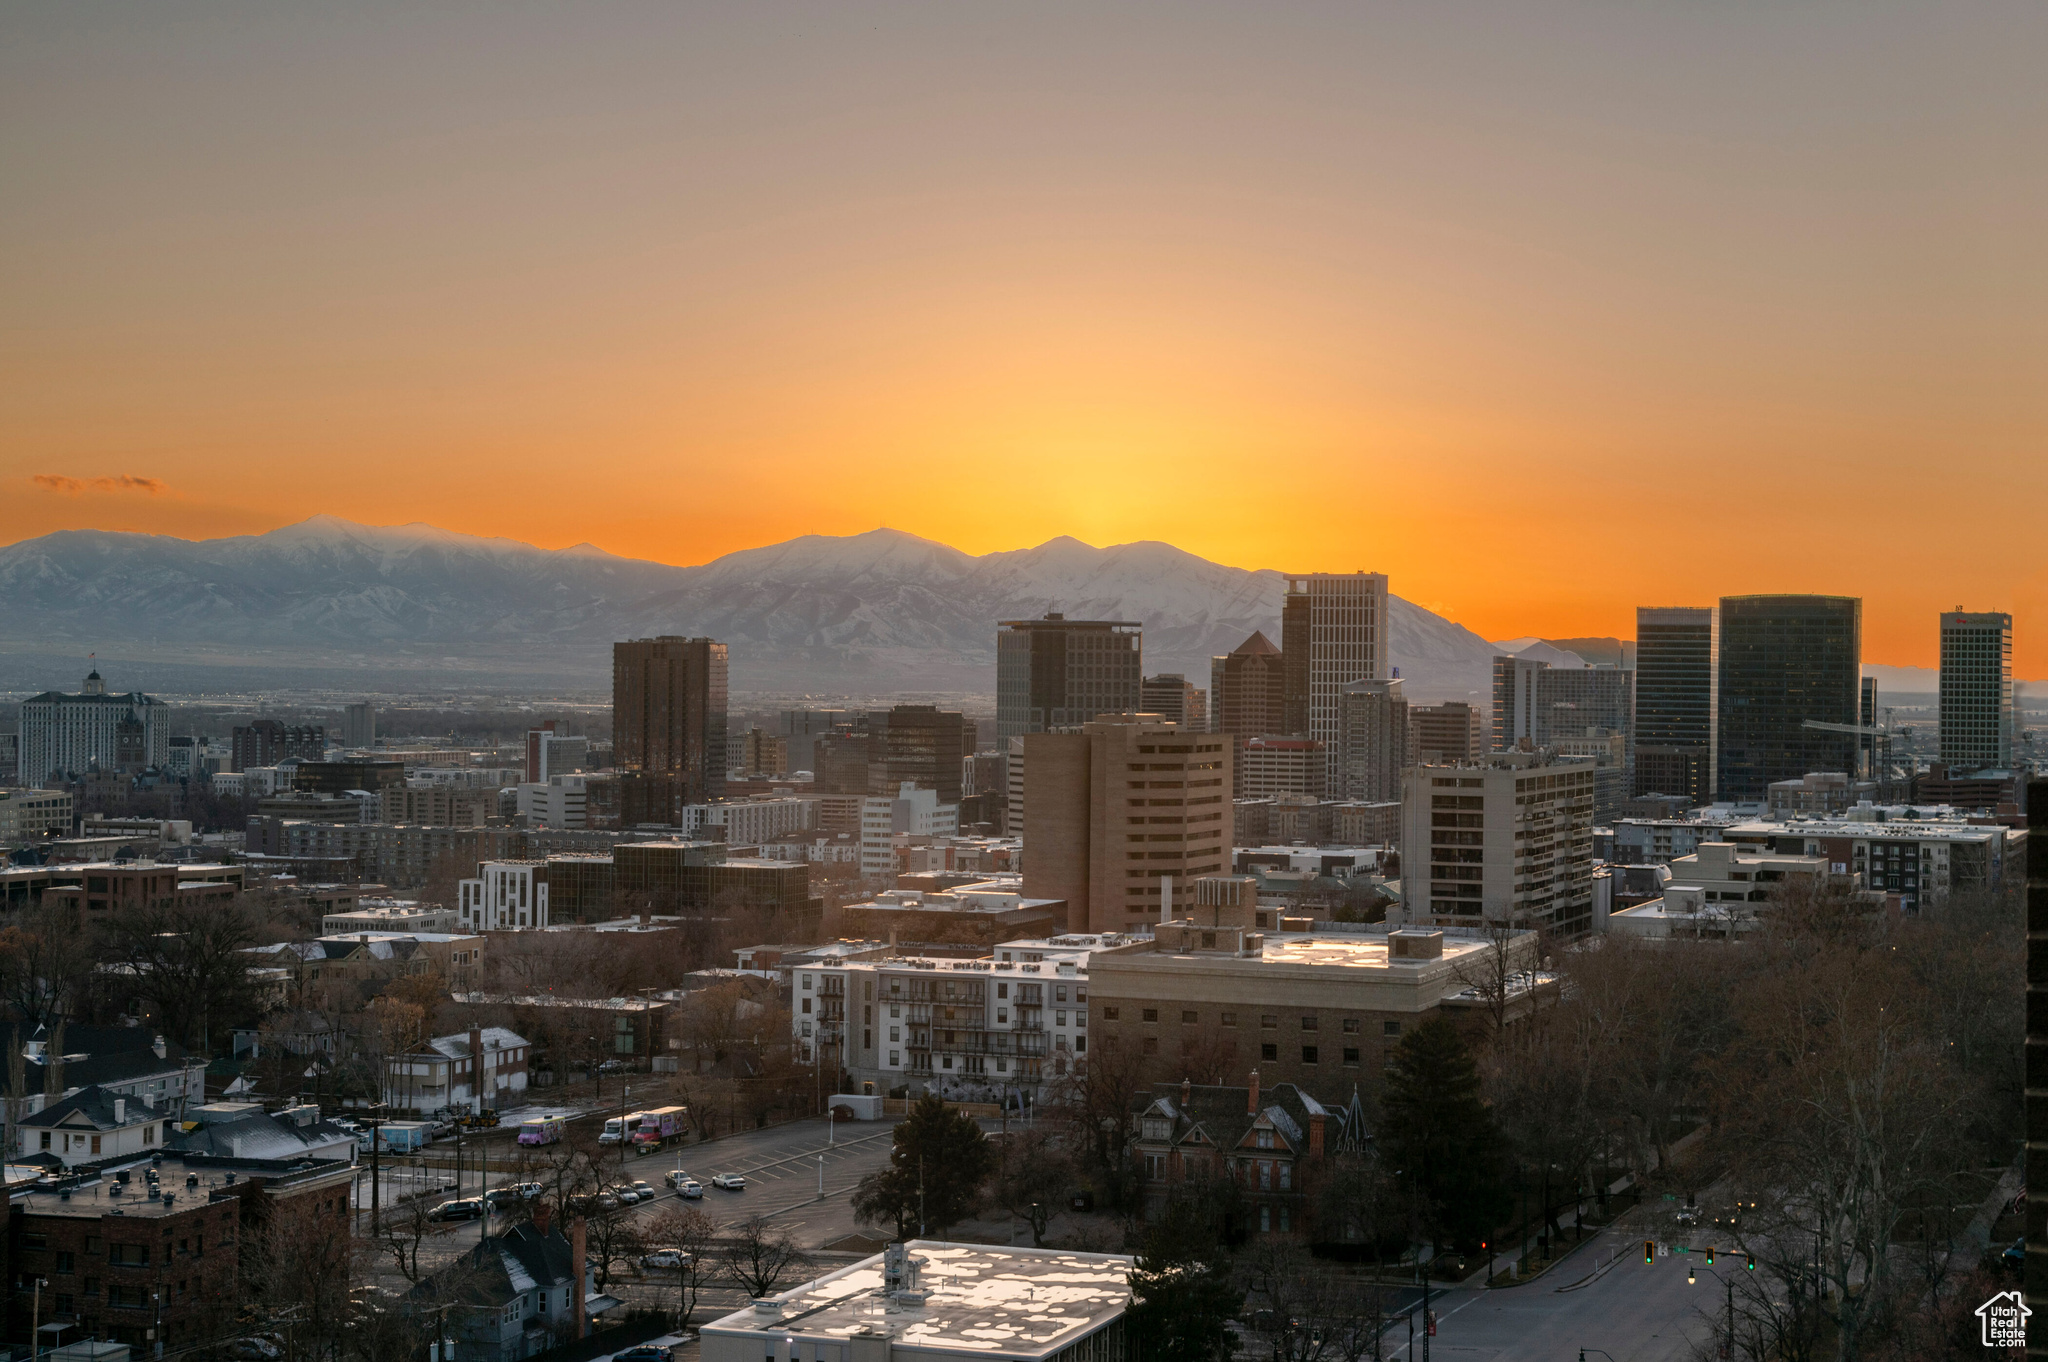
(966, 1028)
(1922, 860)
(987, 912)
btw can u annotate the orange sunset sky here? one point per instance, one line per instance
(1546, 310)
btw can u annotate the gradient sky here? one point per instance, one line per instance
(1546, 310)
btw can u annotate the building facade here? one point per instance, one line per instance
(266, 742)
(1055, 673)
(1536, 704)
(64, 734)
(1977, 715)
(1784, 663)
(1333, 631)
(359, 725)
(923, 745)
(1675, 702)
(1176, 699)
(1450, 732)
(1272, 766)
(668, 712)
(1509, 841)
(1372, 741)
(1119, 814)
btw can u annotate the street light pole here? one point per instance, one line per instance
(35, 1321)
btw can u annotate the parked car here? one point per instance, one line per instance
(464, 1208)
(646, 1352)
(689, 1189)
(256, 1350)
(627, 1195)
(607, 1202)
(646, 1190)
(664, 1257)
(729, 1182)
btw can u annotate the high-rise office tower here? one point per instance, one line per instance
(1175, 699)
(1450, 732)
(1373, 741)
(1674, 713)
(1544, 704)
(1111, 811)
(1333, 631)
(1976, 690)
(1246, 695)
(1785, 662)
(668, 712)
(1056, 673)
(359, 725)
(802, 727)
(925, 746)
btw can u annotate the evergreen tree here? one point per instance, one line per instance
(1182, 1296)
(1439, 1134)
(937, 1166)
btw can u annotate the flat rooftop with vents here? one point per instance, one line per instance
(935, 1300)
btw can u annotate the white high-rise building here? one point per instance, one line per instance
(913, 811)
(64, 734)
(1976, 691)
(1333, 631)
(505, 896)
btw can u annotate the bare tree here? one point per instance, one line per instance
(761, 1256)
(1033, 1173)
(691, 1233)
(1308, 1311)
(613, 1239)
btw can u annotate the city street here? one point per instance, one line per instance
(1632, 1311)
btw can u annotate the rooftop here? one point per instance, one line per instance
(1002, 1302)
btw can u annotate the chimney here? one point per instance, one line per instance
(120, 1111)
(543, 1213)
(1187, 1090)
(1315, 1135)
(1252, 1106)
(1165, 898)
(579, 1281)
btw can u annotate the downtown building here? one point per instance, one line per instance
(1175, 699)
(1977, 715)
(1675, 702)
(669, 722)
(1248, 695)
(1537, 705)
(1452, 731)
(1789, 697)
(1506, 841)
(1056, 673)
(1333, 631)
(1372, 741)
(1121, 815)
(64, 734)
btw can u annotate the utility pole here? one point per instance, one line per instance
(35, 1321)
(376, 1168)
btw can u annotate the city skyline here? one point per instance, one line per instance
(1758, 278)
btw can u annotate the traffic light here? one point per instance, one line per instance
(1751, 1264)
(1649, 1250)
(1710, 1255)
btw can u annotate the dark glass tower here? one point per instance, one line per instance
(668, 714)
(1786, 662)
(1674, 714)
(1056, 673)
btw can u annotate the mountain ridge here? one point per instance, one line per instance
(875, 612)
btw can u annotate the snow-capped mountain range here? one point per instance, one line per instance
(868, 613)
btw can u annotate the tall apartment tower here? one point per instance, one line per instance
(1674, 714)
(1175, 699)
(1248, 697)
(1452, 731)
(1544, 704)
(1976, 691)
(1121, 811)
(1785, 662)
(1509, 841)
(1054, 672)
(668, 713)
(924, 746)
(1372, 740)
(359, 725)
(1333, 631)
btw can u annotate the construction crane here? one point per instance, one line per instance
(1875, 745)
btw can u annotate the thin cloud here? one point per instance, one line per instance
(123, 482)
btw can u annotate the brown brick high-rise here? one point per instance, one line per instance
(668, 711)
